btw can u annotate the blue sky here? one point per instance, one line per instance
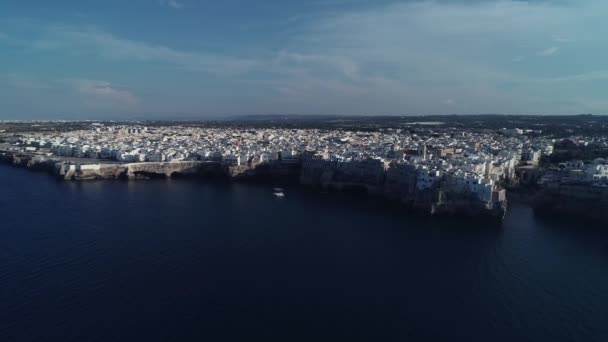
(196, 58)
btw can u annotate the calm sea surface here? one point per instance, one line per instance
(194, 261)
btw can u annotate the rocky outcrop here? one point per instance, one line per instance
(458, 204)
(575, 199)
(265, 172)
(168, 170)
(34, 162)
(400, 185)
(91, 172)
(70, 171)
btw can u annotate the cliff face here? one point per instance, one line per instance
(38, 163)
(145, 170)
(168, 170)
(312, 176)
(399, 186)
(109, 171)
(99, 170)
(268, 171)
(458, 204)
(573, 200)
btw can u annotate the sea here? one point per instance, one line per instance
(181, 260)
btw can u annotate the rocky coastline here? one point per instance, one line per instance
(572, 199)
(435, 202)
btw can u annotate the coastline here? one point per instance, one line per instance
(429, 202)
(558, 202)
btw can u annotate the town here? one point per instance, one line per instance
(428, 164)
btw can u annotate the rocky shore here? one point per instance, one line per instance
(99, 170)
(435, 201)
(573, 199)
(432, 202)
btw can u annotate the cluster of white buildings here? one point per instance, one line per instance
(595, 171)
(472, 161)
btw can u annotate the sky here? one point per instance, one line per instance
(170, 59)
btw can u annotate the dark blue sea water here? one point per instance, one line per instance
(192, 261)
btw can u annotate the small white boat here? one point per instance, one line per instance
(279, 194)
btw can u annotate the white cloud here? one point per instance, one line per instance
(171, 3)
(405, 57)
(298, 61)
(561, 39)
(597, 75)
(93, 41)
(103, 94)
(411, 56)
(548, 52)
(75, 93)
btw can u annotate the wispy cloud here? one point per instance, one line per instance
(85, 41)
(562, 39)
(596, 75)
(171, 3)
(398, 57)
(80, 92)
(103, 94)
(548, 52)
(312, 62)
(411, 56)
